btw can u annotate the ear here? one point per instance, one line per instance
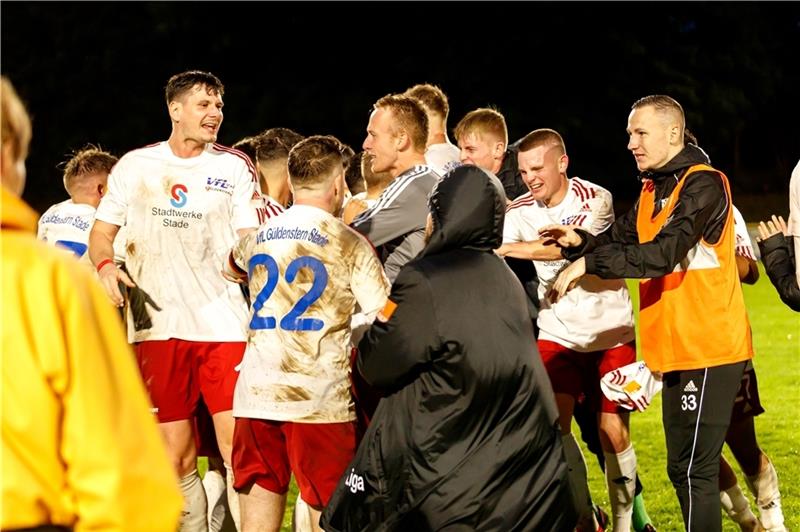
(675, 135)
(563, 163)
(499, 149)
(175, 108)
(101, 190)
(402, 140)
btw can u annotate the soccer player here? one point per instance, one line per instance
(184, 201)
(396, 135)
(79, 447)
(307, 271)
(67, 224)
(440, 154)
(679, 239)
(585, 335)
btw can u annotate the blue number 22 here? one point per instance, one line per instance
(292, 320)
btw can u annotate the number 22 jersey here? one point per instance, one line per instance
(307, 271)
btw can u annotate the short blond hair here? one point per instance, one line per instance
(409, 114)
(480, 122)
(431, 97)
(87, 161)
(16, 124)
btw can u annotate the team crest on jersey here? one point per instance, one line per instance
(219, 185)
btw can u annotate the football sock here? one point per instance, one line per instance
(736, 505)
(620, 475)
(233, 498)
(764, 488)
(195, 508)
(640, 517)
(214, 486)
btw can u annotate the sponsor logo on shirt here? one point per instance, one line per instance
(178, 195)
(219, 185)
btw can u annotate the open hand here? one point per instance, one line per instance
(564, 235)
(567, 279)
(772, 227)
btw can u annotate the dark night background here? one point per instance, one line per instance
(95, 72)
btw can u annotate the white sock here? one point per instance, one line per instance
(233, 498)
(764, 488)
(195, 507)
(214, 486)
(621, 483)
(578, 481)
(736, 505)
(301, 517)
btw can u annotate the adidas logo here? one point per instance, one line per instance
(690, 387)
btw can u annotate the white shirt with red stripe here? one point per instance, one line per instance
(307, 271)
(181, 217)
(266, 208)
(744, 246)
(595, 315)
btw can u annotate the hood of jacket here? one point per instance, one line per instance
(16, 214)
(468, 209)
(690, 155)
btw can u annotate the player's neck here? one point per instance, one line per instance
(407, 162)
(559, 196)
(185, 148)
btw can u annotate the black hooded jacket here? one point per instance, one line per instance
(700, 213)
(777, 253)
(466, 434)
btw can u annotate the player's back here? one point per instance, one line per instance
(67, 225)
(303, 268)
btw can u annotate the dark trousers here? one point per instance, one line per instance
(696, 407)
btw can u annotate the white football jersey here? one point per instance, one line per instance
(443, 157)
(67, 225)
(744, 246)
(307, 271)
(181, 217)
(597, 314)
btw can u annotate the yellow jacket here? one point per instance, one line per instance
(80, 447)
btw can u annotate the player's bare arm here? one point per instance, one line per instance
(542, 249)
(101, 253)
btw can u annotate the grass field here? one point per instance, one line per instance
(776, 335)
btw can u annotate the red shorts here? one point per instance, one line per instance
(268, 452)
(578, 374)
(747, 402)
(176, 372)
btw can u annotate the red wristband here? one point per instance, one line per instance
(103, 263)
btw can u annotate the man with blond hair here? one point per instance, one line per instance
(67, 224)
(397, 133)
(440, 154)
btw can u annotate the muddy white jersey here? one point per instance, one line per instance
(181, 217)
(307, 271)
(595, 315)
(67, 225)
(744, 246)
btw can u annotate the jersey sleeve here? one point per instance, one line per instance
(114, 204)
(369, 282)
(511, 230)
(601, 214)
(243, 250)
(246, 197)
(744, 246)
(392, 218)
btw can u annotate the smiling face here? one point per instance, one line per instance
(197, 115)
(654, 137)
(544, 171)
(483, 150)
(381, 142)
